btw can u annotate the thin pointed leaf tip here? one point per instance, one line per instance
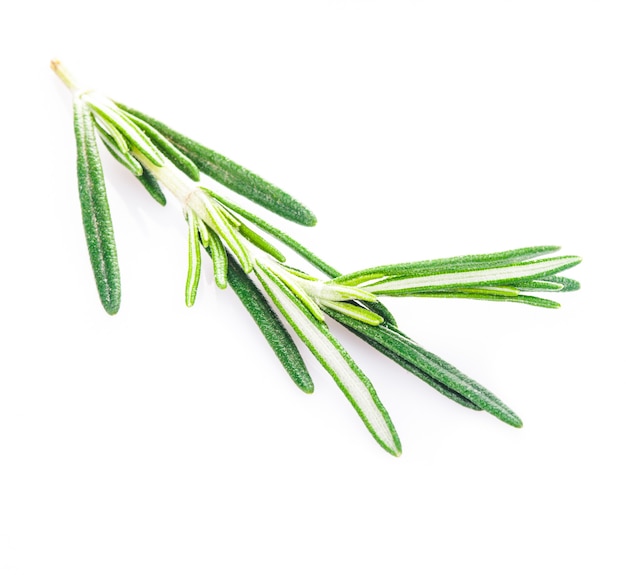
(285, 302)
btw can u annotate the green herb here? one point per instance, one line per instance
(240, 245)
(95, 210)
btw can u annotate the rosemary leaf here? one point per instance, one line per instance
(490, 296)
(351, 380)
(106, 110)
(380, 309)
(147, 179)
(220, 259)
(123, 157)
(171, 152)
(454, 264)
(232, 175)
(409, 285)
(402, 361)
(216, 217)
(567, 284)
(541, 284)
(270, 325)
(260, 242)
(194, 260)
(459, 382)
(436, 368)
(151, 184)
(106, 127)
(354, 311)
(95, 210)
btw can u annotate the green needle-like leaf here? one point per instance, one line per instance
(446, 375)
(380, 309)
(171, 152)
(216, 218)
(220, 259)
(567, 284)
(151, 184)
(135, 137)
(354, 311)
(106, 127)
(488, 295)
(270, 325)
(351, 380)
(95, 210)
(123, 157)
(408, 285)
(232, 175)
(146, 178)
(194, 260)
(541, 284)
(401, 359)
(454, 264)
(260, 242)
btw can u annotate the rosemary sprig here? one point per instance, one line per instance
(234, 238)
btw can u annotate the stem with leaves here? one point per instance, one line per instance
(236, 241)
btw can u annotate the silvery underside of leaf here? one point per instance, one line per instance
(350, 379)
(502, 276)
(442, 376)
(117, 122)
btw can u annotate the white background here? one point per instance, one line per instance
(169, 440)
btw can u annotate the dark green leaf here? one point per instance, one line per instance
(567, 283)
(405, 363)
(436, 368)
(151, 184)
(171, 152)
(260, 242)
(270, 325)
(477, 295)
(95, 210)
(145, 177)
(123, 157)
(381, 310)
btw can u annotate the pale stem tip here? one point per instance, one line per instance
(62, 72)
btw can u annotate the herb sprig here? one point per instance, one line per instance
(243, 257)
